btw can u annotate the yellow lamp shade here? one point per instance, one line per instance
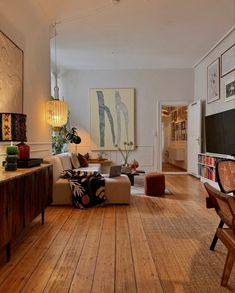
(57, 113)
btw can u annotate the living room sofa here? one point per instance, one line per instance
(117, 189)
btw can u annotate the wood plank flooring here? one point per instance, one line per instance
(167, 167)
(156, 244)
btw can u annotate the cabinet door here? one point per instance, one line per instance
(48, 185)
(32, 195)
(29, 201)
(16, 196)
(5, 232)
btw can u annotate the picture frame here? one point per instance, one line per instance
(228, 87)
(213, 81)
(11, 76)
(227, 63)
(112, 113)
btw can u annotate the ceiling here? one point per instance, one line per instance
(136, 34)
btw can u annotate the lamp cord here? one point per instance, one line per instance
(56, 88)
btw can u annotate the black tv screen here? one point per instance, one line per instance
(220, 133)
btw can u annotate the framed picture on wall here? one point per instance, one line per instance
(213, 81)
(228, 87)
(11, 76)
(112, 117)
(228, 61)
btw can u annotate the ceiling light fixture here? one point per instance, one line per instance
(57, 110)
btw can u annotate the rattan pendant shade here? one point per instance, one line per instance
(57, 113)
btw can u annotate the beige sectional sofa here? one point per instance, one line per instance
(117, 190)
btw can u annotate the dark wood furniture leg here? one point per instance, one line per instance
(215, 239)
(131, 178)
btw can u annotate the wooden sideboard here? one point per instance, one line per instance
(24, 194)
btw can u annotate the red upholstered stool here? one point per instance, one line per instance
(154, 184)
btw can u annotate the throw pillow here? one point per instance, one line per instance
(75, 161)
(83, 162)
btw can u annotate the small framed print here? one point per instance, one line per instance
(228, 87)
(228, 61)
(213, 81)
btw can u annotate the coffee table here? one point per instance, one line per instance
(131, 175)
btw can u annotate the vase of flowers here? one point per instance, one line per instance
(125, 151)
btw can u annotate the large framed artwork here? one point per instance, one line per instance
(112, 117)
(11, 76)
(228, 61)
(213, 81)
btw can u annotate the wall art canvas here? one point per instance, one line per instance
(112, 117)
(228, 87)
(228, 61)
(11, 76)
(213, 81)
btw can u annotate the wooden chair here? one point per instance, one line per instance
(225, 174)
(225, 207)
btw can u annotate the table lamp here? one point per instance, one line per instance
(13, 128)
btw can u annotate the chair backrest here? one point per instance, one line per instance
(225, 174)
(224, 205)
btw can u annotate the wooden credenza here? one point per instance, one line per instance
(24, 194)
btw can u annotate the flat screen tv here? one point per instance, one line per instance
(220, 133)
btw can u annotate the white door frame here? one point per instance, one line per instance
(192, 138)
(158, 144)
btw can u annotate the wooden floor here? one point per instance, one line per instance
(167, 167)
(153, 245)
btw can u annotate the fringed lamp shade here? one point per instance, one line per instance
(13, 127)
(57, 113)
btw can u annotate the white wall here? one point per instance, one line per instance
(200, 78)
(200, 83)
(151, 86)
(22, 22)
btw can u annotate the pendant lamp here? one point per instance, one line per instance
(56, 109)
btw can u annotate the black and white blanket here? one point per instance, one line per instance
(87, 187)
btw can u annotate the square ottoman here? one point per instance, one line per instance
(154, 184)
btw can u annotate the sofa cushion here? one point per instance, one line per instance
(65, 160)
(62, 194)
(82, 160)
(75, 161)
(91, 167)
(57, 166)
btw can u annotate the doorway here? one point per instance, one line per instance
(174, 138)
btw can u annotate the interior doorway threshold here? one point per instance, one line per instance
(175, 173)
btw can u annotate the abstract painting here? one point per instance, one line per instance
(112, 117)
(11, 76)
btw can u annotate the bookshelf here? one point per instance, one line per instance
(206, 167)
(179, 124)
